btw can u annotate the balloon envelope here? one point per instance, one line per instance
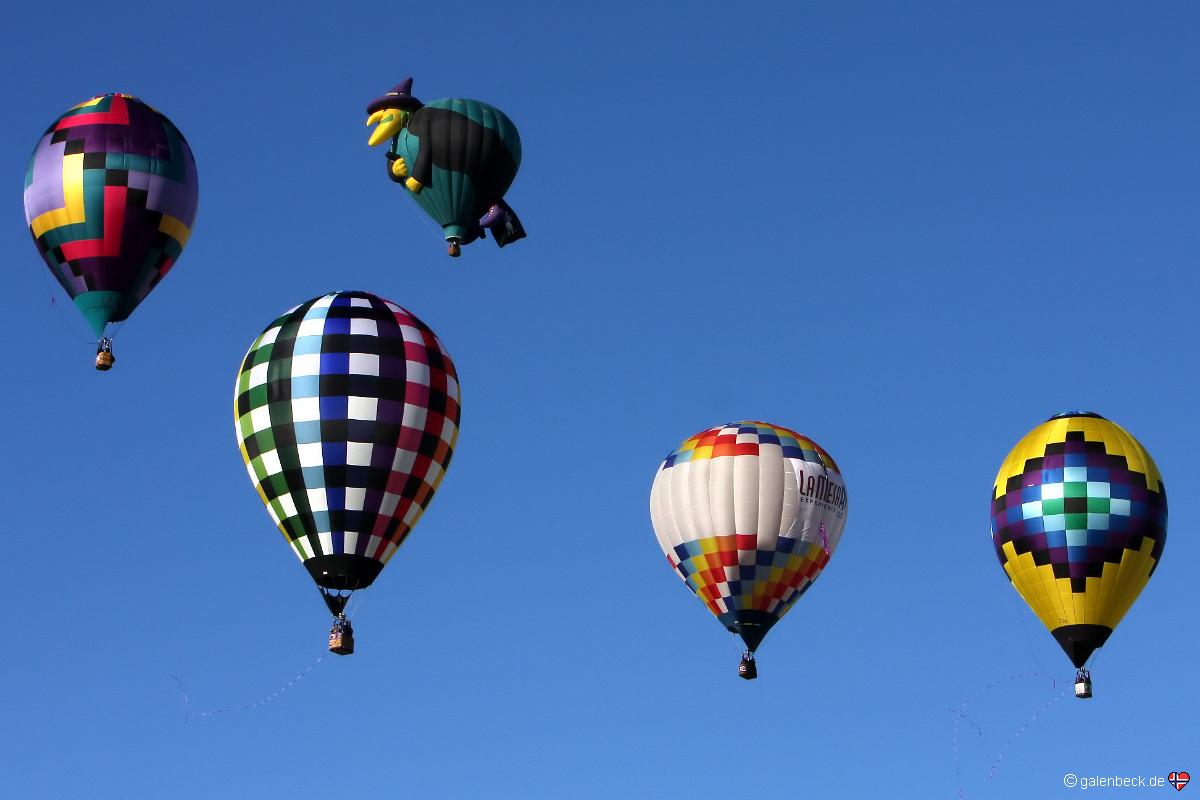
(466, 153)
(346, 410)
(1079, 521)
(748, 514)
(110, 198)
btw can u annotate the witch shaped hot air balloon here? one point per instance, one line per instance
(110, 197)
(1079, 520)
(346, 410)
(456, 157)
(748, 514)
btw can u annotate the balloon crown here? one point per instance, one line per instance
(1066, 414)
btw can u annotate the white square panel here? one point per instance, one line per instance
(403, 461)
(260, 418)
(310, 455)
(414, 416)
(270, 462)
(366, 327)
(364, 364)
(317, 500)
(258, 375)
(306, 409)
(288, 505)
(362, 408)
(417, 372)
(307, 364)
(311, 327)
(358, 454)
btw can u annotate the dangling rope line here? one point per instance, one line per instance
(434, 230)
(996, 764)
(959, 713)
(189, 715)
(1021, 616)
(68, 322)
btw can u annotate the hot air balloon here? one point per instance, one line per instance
(110, 197)
(748, 514)
(456, 157)
(1079, 520)
(346, 411)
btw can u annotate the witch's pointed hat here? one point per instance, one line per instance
(399, 96)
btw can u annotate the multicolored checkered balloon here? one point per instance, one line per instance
(110, 197)
(748, 514)
(1079, 521)
(346, 410)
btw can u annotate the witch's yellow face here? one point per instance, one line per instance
(387, 122)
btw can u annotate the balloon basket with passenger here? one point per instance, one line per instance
(104, 355)
(1083, 684)
(341, 636)
(748, 670)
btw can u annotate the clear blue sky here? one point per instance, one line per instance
(911, 234)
